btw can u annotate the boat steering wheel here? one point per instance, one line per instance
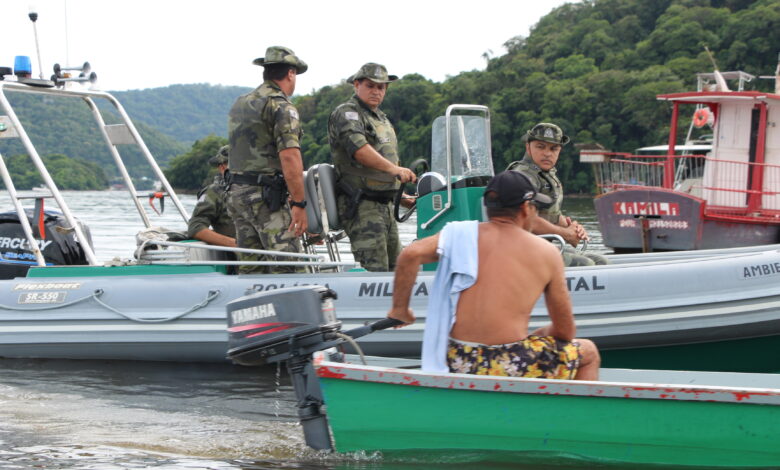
(419, 167)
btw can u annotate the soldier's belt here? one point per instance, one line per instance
(368, 173)
(252, 179)
(380, 198)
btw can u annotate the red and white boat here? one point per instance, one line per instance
(719, 193)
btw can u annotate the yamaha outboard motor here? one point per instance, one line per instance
(59, 245)
(265, 326)
(289, 325)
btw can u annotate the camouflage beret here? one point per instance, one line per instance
(221, 157)
(281, 55)
(374, 72)
(546, 132)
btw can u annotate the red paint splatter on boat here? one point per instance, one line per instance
(327, 373)
(410, 380)
(497, 387)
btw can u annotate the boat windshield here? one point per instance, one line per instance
(469, 147)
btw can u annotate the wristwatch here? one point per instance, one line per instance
(301, 204)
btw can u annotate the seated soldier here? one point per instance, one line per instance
(543, 145)
(211, 209)
(489, 278)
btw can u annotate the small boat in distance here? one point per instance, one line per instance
(720, 192)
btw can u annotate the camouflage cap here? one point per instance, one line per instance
(221, 156)
(546, 132)
(513, 188)
(374, 72)
(281, 55)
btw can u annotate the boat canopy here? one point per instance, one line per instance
(696, 97)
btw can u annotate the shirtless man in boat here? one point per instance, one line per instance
(489, 277)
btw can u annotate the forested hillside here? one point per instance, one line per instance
(169, 120)
(593, 67)
(185, 112)
(65, 126)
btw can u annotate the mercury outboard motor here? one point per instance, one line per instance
(59, 245)
(289, 325)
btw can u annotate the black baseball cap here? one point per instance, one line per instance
(513, 188)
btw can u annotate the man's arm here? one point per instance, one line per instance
(541, 226)
(213, 238)
(558, 302)
(292, 168)
(406, 269)
(204, 216)
(369, 157)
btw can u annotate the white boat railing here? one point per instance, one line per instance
(114, 135)
(727, 185)
(183, 254)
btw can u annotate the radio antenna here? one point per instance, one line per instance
(34, 17)
(67, 42)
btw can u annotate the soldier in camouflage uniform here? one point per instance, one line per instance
(365, 153)
(266, 164)
(211, 209)
(543, 144)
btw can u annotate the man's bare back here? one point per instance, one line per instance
(515, 268)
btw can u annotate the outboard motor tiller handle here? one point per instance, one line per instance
(382, 324)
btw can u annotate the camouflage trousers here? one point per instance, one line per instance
(373, 234)
(572, 257)
(259, 228)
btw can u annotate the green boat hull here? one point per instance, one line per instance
(370, 416)
(713, 356)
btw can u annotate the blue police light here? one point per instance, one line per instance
(22, 66)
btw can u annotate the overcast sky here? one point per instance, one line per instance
(135, 44)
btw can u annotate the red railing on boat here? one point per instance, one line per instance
(733, 190)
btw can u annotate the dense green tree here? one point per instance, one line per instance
(191, 171)
(67, 173)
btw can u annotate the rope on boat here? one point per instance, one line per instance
(213, 294)
(354, 344)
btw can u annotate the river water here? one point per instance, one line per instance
(119, 415)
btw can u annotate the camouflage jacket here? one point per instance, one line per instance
(260, 125)
(211, 211)
(545, 182)
(351, 126)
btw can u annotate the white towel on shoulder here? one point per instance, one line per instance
(457, 271)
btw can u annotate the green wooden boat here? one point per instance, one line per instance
(655, 417)
(704, 419)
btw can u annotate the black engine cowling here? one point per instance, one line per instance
(59, 246)
(268, 326)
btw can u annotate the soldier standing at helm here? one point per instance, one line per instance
(267, 193)
(365, 153)
(211, 209)
(543, 144)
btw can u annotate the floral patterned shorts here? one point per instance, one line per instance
(535, 356)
